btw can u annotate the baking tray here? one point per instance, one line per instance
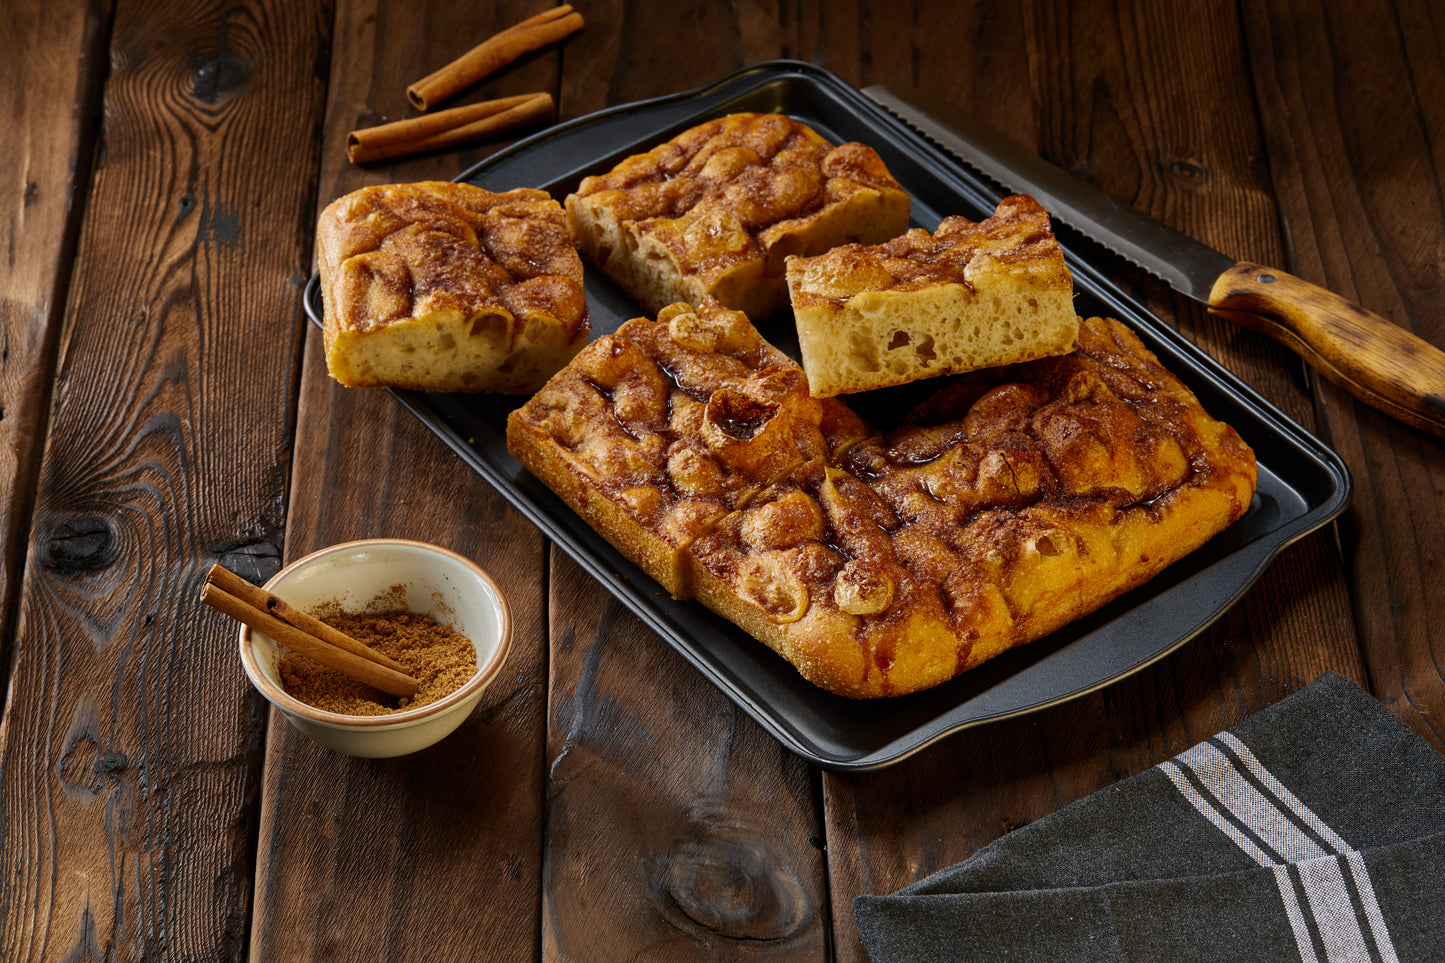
(1302, 484)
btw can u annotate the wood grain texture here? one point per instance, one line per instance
(635, 50)
(1352, 105)
(706, 852)
(380, 46)
(437, 855)
(1151, 103)
(47, 150)
(131, 742)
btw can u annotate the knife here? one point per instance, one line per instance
(1383, 365)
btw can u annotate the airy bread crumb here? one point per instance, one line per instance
(970, 295)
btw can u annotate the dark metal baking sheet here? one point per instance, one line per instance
(1302, 484)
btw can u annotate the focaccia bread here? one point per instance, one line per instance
(968, 296)
(1013, 502)
(655, 431)
(439, 286)
(715, 210)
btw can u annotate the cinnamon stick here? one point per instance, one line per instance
(227, 592)
(258, 598)
(448, 128)
(494, 54)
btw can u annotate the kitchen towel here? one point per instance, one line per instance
(1314, 830)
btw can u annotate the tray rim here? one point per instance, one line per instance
(1253, 557)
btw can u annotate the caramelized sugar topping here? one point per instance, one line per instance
(1016, 235)
(730, 189)
(412, 249)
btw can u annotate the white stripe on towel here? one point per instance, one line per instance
(1267, 779)
(1366, 889)
(1209, 812)
(1295, 913)
(1277, 830)
(1334, 914)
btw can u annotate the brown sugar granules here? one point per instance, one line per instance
(437, 656)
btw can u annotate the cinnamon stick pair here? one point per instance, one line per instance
(494, 54)
(466, 125)
(448, 128)
(227, 592)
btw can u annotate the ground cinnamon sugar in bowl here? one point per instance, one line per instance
(369, 582)
(437, 656)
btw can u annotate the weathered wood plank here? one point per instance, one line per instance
(131, 739)
(52, 80)
(447, 863)
(436, 855)
(676, 828)
(1352, 105)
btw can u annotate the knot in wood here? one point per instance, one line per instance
(1187, 171)
(83, 544)
(734, 884)
(218, 70)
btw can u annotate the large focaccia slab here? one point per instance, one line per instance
(715, 211)
(1013, 502)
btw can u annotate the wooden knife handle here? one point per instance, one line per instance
(1383, 365)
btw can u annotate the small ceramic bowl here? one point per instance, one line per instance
(352, 576)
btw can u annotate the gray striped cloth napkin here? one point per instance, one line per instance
(1313, 830)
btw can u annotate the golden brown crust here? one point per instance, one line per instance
(444, 286)
(968, 296)
(1012, 503)
(714, 211)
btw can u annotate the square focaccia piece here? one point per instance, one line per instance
(967, 296)
(717, 209)
(809, 567)
(440, 286)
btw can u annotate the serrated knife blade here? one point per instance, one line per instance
(1380, 363)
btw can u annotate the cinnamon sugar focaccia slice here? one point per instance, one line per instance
(808, 566)
(656, 431)
(715, 210)
(440, 286)
(967, 296)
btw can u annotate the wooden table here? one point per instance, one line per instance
(164, 406)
